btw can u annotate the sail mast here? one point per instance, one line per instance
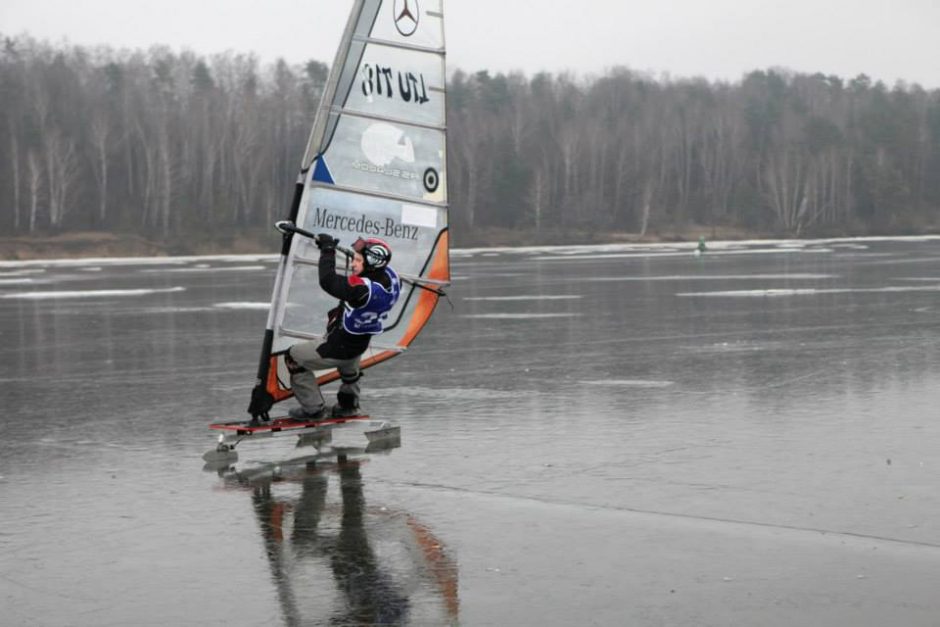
(261, 398)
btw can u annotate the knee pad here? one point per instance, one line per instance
(349, 380)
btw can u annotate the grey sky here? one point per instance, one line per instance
(889, 40)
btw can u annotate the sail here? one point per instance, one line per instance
(375, 166)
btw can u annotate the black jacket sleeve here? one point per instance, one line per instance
(352, 291)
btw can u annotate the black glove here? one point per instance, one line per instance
(326, 242)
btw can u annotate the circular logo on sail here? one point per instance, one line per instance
(405, 13)
(431, 180)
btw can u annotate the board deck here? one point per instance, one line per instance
(276, 425)
(380, 435)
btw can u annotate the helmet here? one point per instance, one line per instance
(375, 253)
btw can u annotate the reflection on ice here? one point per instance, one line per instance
(335, 559)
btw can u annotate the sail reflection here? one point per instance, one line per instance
(335, 560)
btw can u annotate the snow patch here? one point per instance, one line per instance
(89, 293)
(811, 291)
(206, 268)
(237, 305)
(714, 277)
(525, 298)
(520, 316)
(632, 383)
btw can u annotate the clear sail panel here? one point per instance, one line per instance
(400, 84)
(388, 158)
(410, 229)
(412, 22)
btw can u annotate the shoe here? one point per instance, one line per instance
(299, 413)
(338, 411)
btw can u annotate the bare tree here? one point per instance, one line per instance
(100, 133)
(15, 172)
(34, 180)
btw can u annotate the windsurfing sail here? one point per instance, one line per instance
(375, 166)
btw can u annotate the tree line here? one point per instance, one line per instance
(152, 142)
(779, 152)
(165, 143)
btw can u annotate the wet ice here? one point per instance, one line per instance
(660, 458)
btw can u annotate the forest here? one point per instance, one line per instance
(174, 146)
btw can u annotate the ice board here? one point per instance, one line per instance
(318, 433)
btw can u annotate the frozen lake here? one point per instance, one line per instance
(590, 435)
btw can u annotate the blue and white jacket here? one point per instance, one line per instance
(366, 301)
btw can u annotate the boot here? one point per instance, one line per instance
(303, 415)
(338, 411)
(347, 404)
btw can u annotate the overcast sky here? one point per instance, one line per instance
(889, 40)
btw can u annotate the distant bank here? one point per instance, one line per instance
(108, 244)
(260, 241)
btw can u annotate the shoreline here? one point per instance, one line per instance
(113, 248)
(91, 244)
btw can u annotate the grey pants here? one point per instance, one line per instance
(304, 382)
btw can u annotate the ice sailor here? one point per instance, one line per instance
(367, 295)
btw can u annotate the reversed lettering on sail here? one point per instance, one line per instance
(402, 84)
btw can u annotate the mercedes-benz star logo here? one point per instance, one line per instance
(405, 13)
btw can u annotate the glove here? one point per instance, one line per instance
(326, 242)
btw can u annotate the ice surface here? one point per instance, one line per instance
(573, 451)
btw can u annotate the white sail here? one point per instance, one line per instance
(375, 166)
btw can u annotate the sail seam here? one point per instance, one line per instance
(384, 118)
(396, 44)
(375, 194)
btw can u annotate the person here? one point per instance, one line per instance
(366, 296)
